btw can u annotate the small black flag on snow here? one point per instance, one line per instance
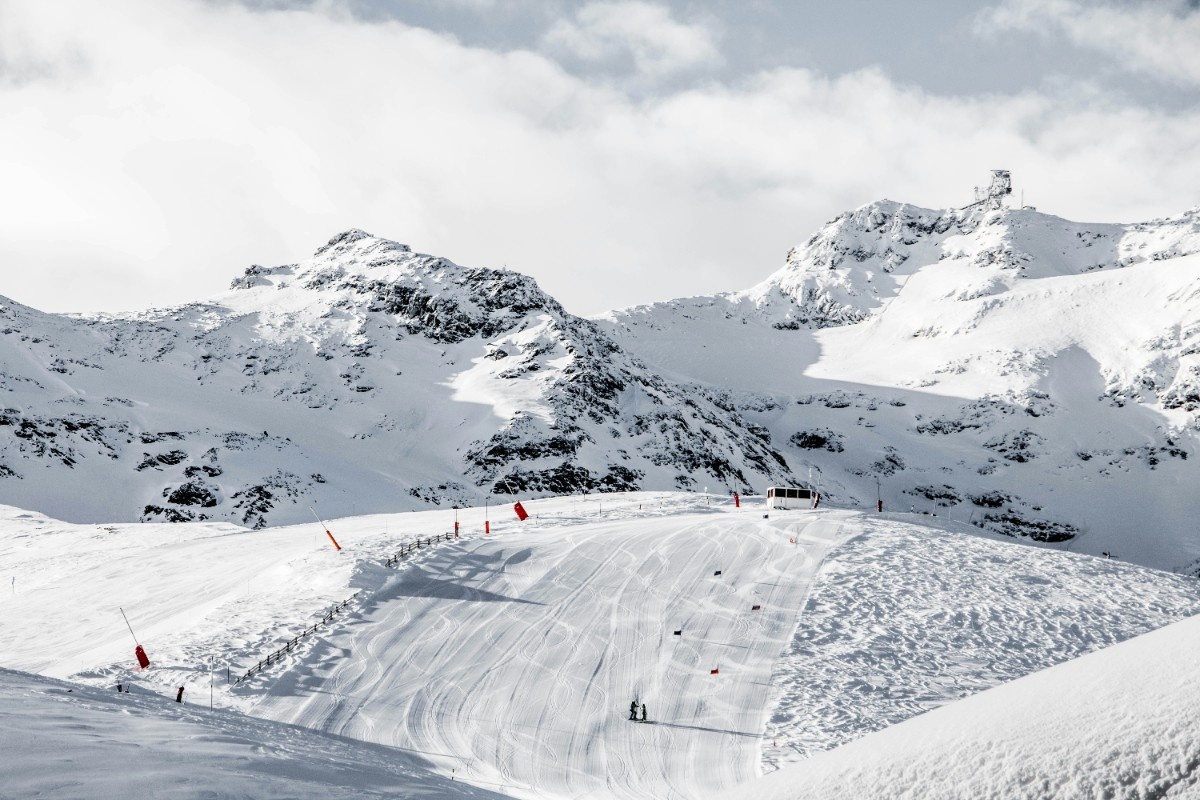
(718, 572)
(679, 632)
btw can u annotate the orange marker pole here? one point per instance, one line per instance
(327, 533)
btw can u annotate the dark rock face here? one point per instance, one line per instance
(193, 493)
(1039, 530)
(820, 439)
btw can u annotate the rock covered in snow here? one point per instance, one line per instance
(996, 353)
(368, 377)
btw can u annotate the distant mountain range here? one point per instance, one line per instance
(368, 378)
(1038, 377)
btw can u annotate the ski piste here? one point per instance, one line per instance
(519, 648)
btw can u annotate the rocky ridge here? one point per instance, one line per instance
(1033, 376)
(369, 377)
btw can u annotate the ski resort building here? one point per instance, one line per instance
(784, 497)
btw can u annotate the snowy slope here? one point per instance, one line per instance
(1119, 723)
(368, 378)
(70, 741)
(509, 660)
(1033, 376)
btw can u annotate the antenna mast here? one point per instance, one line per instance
(992, 196)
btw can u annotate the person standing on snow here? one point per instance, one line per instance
(643, 712)
(633, 710)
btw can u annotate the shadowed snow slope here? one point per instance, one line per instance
(509, 660)
(69, 741)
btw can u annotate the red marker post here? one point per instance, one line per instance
(142, 659)
(327, 533)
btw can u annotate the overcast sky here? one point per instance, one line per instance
(620, 152)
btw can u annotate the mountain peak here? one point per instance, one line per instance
(849, 269)
(358, 241)
(351, 251)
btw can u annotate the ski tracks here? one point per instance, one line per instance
(518, 675)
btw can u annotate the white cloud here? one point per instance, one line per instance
(1160, 39)
(184, 140)
(607, 32)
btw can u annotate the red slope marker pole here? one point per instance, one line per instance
(518, 509)
(142, 658)
(327, 533)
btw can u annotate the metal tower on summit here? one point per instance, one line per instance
(992, 196)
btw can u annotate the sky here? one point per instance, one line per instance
(619, 152)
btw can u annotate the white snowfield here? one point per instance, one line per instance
(1120, 723)
(507, 663)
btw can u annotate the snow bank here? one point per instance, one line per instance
(1119, 723)
(907, 618)
(68, 741)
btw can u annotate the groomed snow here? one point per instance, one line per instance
(508, 661)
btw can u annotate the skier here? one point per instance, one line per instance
(633, 710)
(643, 712)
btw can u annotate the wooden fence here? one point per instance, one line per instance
(330, 615)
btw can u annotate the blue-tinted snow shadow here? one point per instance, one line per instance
(449, 590)
(416, 581)
(447, 575)
(706, 729)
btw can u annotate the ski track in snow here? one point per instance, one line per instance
(509, 661)
(512, 660)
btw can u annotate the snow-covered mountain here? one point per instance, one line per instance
(1002, 369)
(367, 378)
(1034, 376)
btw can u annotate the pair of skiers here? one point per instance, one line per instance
(633, 711)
